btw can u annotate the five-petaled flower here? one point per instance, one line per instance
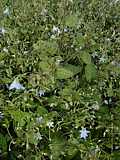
(16, 85)
(50, 124)
(37, 136)
(84, 133)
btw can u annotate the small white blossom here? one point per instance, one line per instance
(5, 49)
(115, 63)
(103, 59)
(38, 136)
(53, 36)
(50, 124)
(96, 106)
(58, 61)
(105, 101)
(44, 12)
(94, 54)
(2, 30)
(84, 133)
(16, 85)
(6, 12)
(56, 30)
(41, 93)
(66, 30)
(1, 115)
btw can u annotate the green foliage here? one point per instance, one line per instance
(65, 57)
(90, 72)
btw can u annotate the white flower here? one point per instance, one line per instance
(5, 49)
(1, 115)
(6, 11)
(53, 36)
(41, 93)
(56, 30)
(16, 85)
(39, 119)
(94, 54)
(38, 136)
(96, 106)
(50, 124)
(103, 59)
(84, 133)
(105, 101)
(115, 63)
(66, 30)
(44, 12)
(2, 30)
(58, 61)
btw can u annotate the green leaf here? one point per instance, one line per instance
(86, 58)
(20, 117)
(41, 110)
(90, 72)
(57, 146)
(46, 47)
(71, 20)
(67, 71)
(44, 66)
(3, 143)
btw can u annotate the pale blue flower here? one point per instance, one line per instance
(39, 119)
(84, 133)
(16, 85)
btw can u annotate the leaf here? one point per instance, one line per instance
(20, 117)
(90, 72)
(67, 71)
(86, 58)
(3, 143)
(41, 110)
(46, 47)
(45, 66)
(71, 20)
(57, 146)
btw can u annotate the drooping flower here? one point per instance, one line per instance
(84, 133)
(16, 85)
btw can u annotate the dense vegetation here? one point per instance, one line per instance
(59, 79)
